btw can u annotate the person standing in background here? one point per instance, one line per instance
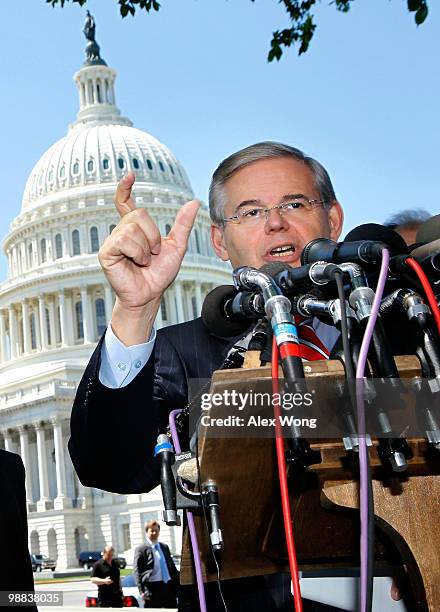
(106, 576)
(156, 575)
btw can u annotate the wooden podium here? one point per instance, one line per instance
(324, 502)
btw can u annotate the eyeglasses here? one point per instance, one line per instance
(295, 209)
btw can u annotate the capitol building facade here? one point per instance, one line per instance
(56, 303)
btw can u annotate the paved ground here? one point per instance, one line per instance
(74, 595)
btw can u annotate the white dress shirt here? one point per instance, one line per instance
(120, 364)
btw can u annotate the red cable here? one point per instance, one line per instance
(414, 264)
(282, 473)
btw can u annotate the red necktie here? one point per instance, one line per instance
(312, 348)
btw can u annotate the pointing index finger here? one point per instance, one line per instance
(123, 201)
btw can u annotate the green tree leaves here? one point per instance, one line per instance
(420, 8)
(302, 25)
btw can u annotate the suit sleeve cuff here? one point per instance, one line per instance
(121, 364)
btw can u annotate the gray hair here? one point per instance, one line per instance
(409, 218)
(249, 155)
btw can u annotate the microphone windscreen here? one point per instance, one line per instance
(426, 249)
(273, 268)
(378, 233)
(429, 231)
(214, 316)
(188, 471)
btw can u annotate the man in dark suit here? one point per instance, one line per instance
(156, 575)
(266, 203)
(16, 574)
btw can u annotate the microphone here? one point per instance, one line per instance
(428, 238)
(426, 249)
(429, 230)
(430, 263)
(210, 491)
(293, 281)
(364, 243)
(165, 452)
(228, 312)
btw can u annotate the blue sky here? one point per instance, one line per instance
(364, 100)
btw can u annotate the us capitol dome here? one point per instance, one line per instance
(56, 303)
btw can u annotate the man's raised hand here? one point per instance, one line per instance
(139, 263)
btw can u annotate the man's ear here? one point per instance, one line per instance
(218, 242)
(335, 219)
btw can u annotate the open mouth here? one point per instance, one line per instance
(283, 251)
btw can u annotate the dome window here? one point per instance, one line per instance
(105, 164)
(50, 176)
(121, 163)
(47, 315)
(43, 247)
(90, 165)
(135, 163)
(149, 164)
(101, 324)
(94, 240)
(196, 235)
(167, 229)
(111, 228)
(31, 255)
(76, 245)
(194, 307)
(33, 332)
(171, 168)
(62, 171)
(161, 166)
(79, 321)
(58, 246)
(163, 309)
(75, 168)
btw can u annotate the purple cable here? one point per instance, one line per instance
(363, 461)
(190, 518)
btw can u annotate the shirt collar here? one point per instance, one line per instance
(152, 543)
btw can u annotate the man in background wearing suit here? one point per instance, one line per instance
(156, 574)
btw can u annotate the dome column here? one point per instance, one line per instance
(198, 297)
(24, 452)
(63, 318)
(60, 467)
(83, 238)
(37, 327)
(179, 302)
(108, 298)
(13, 336)
(26, 327)
(69, 311)
(87, 316)
(22, 259)
(52, 323)
(65, 243)
(3, 353)
(8, 441)
(43, 323)
(42, 467)
(187, 292)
